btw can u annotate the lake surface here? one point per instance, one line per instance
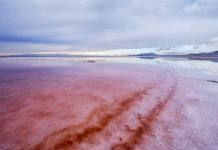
(108, 103)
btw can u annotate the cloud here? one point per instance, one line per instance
(103, 25)
(207, 8)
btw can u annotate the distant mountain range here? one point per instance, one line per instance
(36, 55)
(52, 55)
(200, 56)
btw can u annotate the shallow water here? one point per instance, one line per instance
(110, 103)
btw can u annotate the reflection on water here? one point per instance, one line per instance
(194, 67)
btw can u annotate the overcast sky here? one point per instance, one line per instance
(29, 26)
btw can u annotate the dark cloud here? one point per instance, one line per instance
(95, 24)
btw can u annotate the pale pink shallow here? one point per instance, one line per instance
(111, 104)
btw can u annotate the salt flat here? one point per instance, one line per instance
(110, 103)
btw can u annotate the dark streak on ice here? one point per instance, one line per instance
(67, 137)
(145, 123)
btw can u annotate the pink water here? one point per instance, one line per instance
(72, 104)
